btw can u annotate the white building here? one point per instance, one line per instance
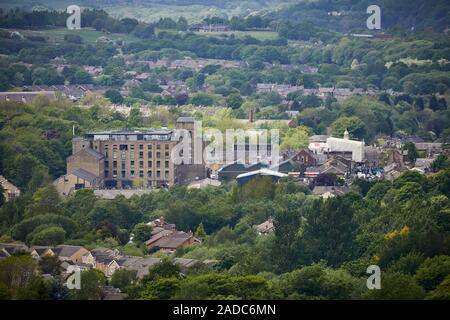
(339, 145)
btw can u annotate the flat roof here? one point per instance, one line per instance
(132, 132)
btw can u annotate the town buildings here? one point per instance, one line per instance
(129, 159)
(26, 96)
(106, 260)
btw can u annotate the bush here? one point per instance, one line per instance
(433, 271)
(49, 236)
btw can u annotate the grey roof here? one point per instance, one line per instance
(157, 236)
(428, 145)
(131, 132)
(10, 248)
(185, 119)
(320, 158)
(40, 249)
(85, 175)
(143, 265)
(423, 162)
(318, 138)
(66, 251)
(186, 263)
(24, 96)
(104, 255)
(336, 190)
(128, 261)
(94, 153)
(173, 241)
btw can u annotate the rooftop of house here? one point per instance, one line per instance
(85, 175)
(185, 120)
(262, 172)
(11, 248)
(318, 138)
(424, 162)
(8, 186)
(184, 263)
(265, 227)
(334, 190)
(66, 250)
(40, 250)
(143, 265)
(173, 241)
(26, 96)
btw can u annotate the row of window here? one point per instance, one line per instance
(123, 154)
(141, 164)
(123, 174)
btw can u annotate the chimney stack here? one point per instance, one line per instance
(251, 116)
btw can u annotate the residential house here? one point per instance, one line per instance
(8, 249)
(70, 253)
(105, 260)
(72, 92)
(202, 27)
(26, 97)
(423, 165)
(184, 264)
(429, 148)
(38, 252)
(10, 191)
(162, 224)
(204, 183)
(143, 76)
(168, 241)
(142, 266)
(305, 158)
(128, 85)
(94, 71)
(393, 171)
(335, 165)
(267, 227)
(327, 192)
(111, 293)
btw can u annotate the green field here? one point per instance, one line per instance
(89, 35)
(260, 35)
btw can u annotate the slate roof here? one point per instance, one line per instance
(143, 265)
(95, 154)
(40, 250)
(25, 97)
(335, 190)
(170, 242)
(66, 250)
(185, 119)
(11, 248)
(185, 263)
(85, 175)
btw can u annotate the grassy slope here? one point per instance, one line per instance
(89, 35)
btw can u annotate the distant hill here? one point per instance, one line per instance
(348, 15)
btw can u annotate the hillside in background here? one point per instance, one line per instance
(153, 10)
(348, 15)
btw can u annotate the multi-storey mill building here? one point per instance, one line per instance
(128, 159)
